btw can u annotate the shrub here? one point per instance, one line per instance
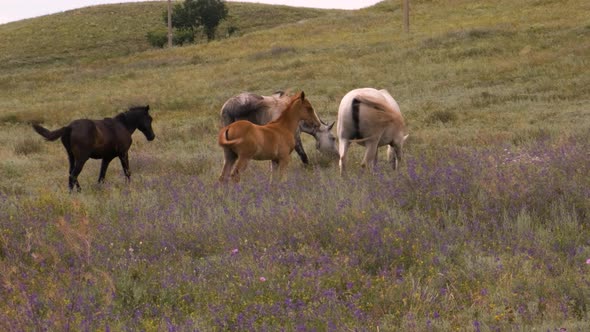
(195, 14)
(157, 38)
(182, 37)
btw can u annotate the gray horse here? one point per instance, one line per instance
(263, 109)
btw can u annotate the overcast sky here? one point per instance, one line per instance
(14, 10)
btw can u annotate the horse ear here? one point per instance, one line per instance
(147, 107)
(302, 95)
(331, 125)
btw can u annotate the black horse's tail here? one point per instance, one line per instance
(50, 135)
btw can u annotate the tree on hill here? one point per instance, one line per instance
(194, 14)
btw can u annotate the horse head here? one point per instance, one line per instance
(305, 109)
(325, 140)
(143, 121)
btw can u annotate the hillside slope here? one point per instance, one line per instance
(107, 31)
(471, 71)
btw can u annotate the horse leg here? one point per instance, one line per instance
(78, 165)
(274, 167)
(72, 162)
(124, 158)
(343, 145)
(103, 169)
(229, 160)
(370, 153)
(240, 166)
(299, 148)
(283, 163)
(376, 158)
(396, 151)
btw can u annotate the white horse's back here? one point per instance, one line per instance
(371, 118)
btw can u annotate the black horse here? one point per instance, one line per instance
(100, 139)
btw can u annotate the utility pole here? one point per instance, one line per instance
(169, 23)
(406, 16)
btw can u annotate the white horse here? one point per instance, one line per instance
(371, 118)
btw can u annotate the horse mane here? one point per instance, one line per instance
(121, 117)
(129, 116)
(277, 100)
(289, 105)
(138, 108)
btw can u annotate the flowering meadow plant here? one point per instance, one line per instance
(457, 238)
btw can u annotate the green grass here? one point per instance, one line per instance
(485, 227)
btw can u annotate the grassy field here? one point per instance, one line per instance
(486, 226)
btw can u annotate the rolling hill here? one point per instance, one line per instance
(106, 31)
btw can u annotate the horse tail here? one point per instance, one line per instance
(50, 135)
(378, 103)
(225, 141)
(372, 137)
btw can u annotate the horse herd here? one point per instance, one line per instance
(255, 127)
